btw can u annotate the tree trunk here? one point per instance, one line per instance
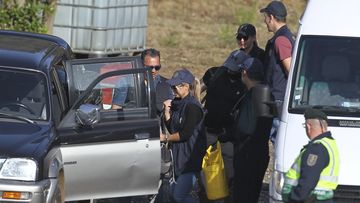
(49, 17)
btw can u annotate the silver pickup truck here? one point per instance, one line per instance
(59, 138)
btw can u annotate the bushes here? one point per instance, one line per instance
(26, 15)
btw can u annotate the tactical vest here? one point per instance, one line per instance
(188, 154)
(328, 180)
(274, 72)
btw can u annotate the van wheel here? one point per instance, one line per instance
(58, 196)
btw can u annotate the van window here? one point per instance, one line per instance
(327, 74)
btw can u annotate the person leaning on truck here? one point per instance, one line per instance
(278, 53)
(151, 59)
(313, 177)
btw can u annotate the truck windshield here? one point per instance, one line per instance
(327, 75)
(23, 94)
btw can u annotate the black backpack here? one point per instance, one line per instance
(210, 77)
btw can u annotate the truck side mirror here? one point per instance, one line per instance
(87, 115)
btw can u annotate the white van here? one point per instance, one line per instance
(325, 74)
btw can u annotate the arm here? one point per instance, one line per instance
(167, 120)
(120, 93)
(192, 118)
(313, 161)
(283, 49)
(286, 63)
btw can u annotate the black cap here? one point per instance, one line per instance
(276, 8)
(311, 113)
(246, 30)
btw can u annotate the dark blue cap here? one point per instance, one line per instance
(276, 8)
(181, 76)
(252, 65)
(235, 59)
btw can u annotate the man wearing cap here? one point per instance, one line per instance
(278, 53)
(249, 133)
(246, 39)
(313, 176)
(224, 89)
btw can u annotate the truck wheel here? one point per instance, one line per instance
(58, 196)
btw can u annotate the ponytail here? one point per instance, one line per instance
(195, 89)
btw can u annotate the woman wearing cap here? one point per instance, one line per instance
(246, 39)
(184, 121)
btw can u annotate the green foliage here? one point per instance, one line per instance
(28, 16)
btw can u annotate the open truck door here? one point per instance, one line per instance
(110, 152)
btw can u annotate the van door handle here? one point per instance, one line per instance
(142, 136)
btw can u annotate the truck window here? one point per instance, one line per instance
(326, 74)
(128, 92)
(24, 93)
(120, 98)
(83, 74)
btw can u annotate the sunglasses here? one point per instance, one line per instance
(154, 67)
(240, 37)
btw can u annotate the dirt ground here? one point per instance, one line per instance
(200, 34)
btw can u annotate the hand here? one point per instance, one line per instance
(162, 137)
(115, 106)
(167, 104)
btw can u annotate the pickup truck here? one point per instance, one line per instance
(59, 138)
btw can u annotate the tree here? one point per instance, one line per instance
(27, 15)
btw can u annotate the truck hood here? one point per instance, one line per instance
(19, 139)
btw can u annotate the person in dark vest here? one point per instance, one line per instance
(184, 120)
(249, 133)
(314, 175)
(247, 41)
(278, 53)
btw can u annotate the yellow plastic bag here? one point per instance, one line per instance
(214, 173)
